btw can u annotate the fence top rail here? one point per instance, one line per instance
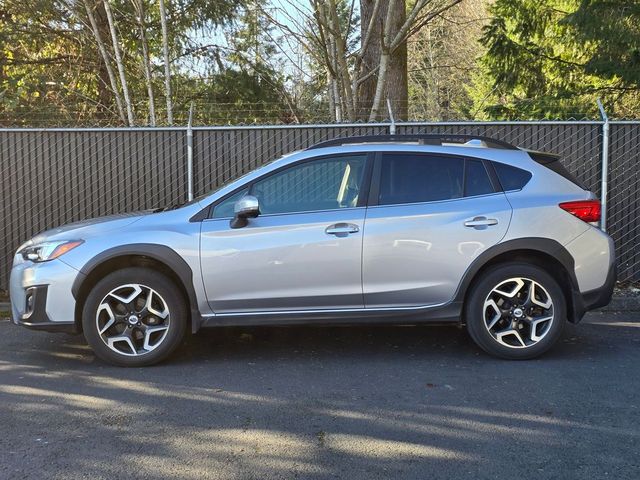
(320, 125)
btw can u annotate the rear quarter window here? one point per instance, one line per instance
(511, 178)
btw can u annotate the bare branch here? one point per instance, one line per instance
(105, 58)
(116, 51)
(146, 60)
(167, 65)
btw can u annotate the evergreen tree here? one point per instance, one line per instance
(553, 58)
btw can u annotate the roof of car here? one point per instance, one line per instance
(420, 139)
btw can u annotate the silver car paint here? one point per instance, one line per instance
(283, 262)
(56, 274)
(592, 253)
(416, 254)
(535, 214)
(171, 228)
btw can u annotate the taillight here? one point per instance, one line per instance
(586, 210)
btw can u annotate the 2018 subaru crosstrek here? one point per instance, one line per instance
(394, 229)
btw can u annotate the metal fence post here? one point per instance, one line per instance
(190, 156)
(605, 166)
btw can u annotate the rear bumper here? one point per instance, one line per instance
(600, 297)
(593, 255)
(597, 298)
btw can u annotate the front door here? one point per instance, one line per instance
(302, 252)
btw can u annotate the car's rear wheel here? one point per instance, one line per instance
(515, 311)
(134, 317)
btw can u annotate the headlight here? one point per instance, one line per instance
(45, 251)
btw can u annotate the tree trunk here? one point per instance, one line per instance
(396, 84)
(167, 66)
(105, 94)
(397, 78)
(118, 56)
(105, 91)
(383, 72)
(105, 59)
(341, 57)
(334, 100)
(371, 55)
(146, 60)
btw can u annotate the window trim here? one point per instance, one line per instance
(495, 184)
(362, 198)
(374, 191)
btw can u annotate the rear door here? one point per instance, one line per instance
(429, 217)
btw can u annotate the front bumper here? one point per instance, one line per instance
(41, 295)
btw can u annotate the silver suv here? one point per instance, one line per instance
(384, 229)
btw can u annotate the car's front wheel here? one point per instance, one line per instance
(515, 311)
(134, 317)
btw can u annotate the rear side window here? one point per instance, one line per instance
(412, 178)
(552, 162)
(511, 178)
(476, 179)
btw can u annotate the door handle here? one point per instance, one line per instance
(480, 222)
(341, 229)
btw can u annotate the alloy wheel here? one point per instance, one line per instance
(518, 312)
(133, 319)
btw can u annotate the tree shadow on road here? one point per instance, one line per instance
(348, 402)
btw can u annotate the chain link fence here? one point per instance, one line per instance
(52, 177)
(624, 197)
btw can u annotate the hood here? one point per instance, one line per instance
(91, 227)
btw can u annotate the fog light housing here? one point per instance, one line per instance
(30, 302)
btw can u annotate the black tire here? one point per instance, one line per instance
(164, 287)
(474, 310)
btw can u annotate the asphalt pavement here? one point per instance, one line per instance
(316, 403)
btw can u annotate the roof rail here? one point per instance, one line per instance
(422, 139)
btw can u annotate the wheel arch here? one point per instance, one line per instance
(545, 253)
(157, 257)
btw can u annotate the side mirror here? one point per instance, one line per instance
(245, 208)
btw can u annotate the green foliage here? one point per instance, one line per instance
(553, 58)
(613, 26)
(51, 72)
(538, 59)
(37, 54)
(246, 85)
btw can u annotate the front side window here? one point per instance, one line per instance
(324, 184)
(412, 178)
(224, 209)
